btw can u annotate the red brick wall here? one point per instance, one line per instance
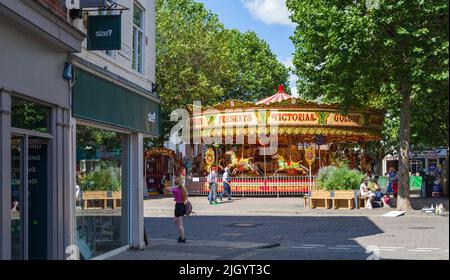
(55, 6)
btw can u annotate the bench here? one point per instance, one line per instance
(319, 195)
(361, 202)
(347, 196)
(103, 196)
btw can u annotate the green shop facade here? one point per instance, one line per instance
(112, 117)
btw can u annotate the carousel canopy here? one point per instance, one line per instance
(277, 97)
(287, 116)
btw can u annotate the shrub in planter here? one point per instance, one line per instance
(324, 176)
(102, 180)
(339, 178)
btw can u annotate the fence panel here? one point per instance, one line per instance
(257, 186)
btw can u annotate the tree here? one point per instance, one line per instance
(198, 59)
(255, 69)
(191, 56)
(391, 56)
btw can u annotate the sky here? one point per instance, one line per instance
(268, 18)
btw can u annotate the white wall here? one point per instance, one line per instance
(121, 62)
(31, 65)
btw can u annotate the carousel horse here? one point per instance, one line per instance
(293, 166)
(241, 164)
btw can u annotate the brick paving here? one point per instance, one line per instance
(271, 228)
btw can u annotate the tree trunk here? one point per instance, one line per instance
(379, 166)
(403, 199)
(445, 171)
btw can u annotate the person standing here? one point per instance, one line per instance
(393, 181)
(226, 184)
(180, 196)
(212, 182)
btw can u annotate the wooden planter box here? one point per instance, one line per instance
(343, 198)
(102, 197)
(319, 198)
(337, 199)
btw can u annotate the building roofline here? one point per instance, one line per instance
(35, 16)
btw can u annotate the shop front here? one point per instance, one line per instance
(112, 120)
(35, 161)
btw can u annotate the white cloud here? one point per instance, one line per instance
(269, 11)
(292, 78)
(287, 62)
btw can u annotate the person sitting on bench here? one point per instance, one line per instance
(366, 193)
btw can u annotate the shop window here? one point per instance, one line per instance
(30, 115)
(101, 215)
(138, 39)
(415, 166)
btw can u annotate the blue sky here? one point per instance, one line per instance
(268, 18)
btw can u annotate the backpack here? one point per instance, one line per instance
(189, 208)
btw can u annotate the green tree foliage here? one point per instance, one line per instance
(198, 59)
(103, 179)
(91, 138)
(29, 115)
(255, 69)
(393, 56)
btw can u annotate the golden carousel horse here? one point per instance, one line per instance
(240, 165)
(292, 167)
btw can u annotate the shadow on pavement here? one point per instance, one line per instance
(241, 237)
(418, 203)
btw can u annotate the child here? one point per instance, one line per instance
(378, 197)
(386, 201)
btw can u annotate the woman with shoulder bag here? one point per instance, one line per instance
(180, 196)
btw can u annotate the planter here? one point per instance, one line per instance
(344, 198)
(101, 196)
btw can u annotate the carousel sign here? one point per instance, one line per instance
(159, 152)
(303, 118)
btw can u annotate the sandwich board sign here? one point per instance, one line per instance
(104, 32)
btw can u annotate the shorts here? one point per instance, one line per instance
(180, 210)
(395, 187)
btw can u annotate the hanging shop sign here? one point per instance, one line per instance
(104, 32)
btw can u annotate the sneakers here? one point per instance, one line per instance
(181, 240)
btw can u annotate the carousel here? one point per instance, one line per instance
(278, 144)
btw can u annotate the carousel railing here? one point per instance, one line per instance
(256, 186)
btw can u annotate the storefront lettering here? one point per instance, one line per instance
(151, 117)
(106, 33)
